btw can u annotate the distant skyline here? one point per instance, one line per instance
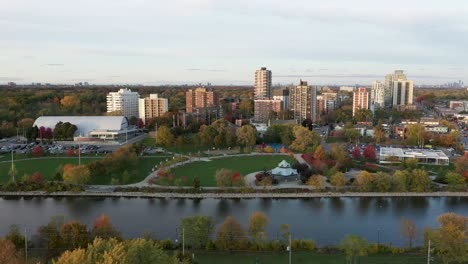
(155, 42)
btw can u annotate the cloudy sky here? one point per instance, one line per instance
(224, 41)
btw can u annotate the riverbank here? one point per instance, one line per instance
(229, 195)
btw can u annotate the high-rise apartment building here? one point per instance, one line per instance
(263, 107)
(402, 92)
(200, 98)
(124, 101)
(378, 94)
(303, 101)
(388, 88)
(152, 106)
(360, 99)
(262, 84)
(282, 94)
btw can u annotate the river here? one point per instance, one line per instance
(325, 220)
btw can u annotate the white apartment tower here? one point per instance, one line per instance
(378, 94)
(152, 106)
(360, 99)
(389, 79)
(262, 84)
(402, 92)
(125, 101)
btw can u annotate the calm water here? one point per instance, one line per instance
(326, 220)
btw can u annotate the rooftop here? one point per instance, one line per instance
(413, 153)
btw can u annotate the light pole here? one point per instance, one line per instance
(290, 249)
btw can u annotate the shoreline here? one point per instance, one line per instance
(227, 195)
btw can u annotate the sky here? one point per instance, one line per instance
(223, 42)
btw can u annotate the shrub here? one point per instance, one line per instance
(37, 178)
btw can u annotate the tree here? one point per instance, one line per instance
(401, 181)
(450, 238)
(363, 115)
(317, 181)
(223, 178)
(365, 181)
(461, 165)
(74, 235)
(76, 174)
(103, 228)
(352, 134)
(197, 230)
(383, 182)
(15, 237)
(70, 102)
(415, 134)
(354, 247)
(420, 181)
(338, 180)
(8, 253)
(408, 230)
(49, 235)
(246, 136)
(304, 139)
(411, 163)
(319, 153)
(113, 251)
(37, 177)
(369, 152)
(338, 152)
(38, 151)
(231, 235)
(246, 107)
(455, 181)
(356, 153)
(379, 132)
(257, 224)
(165, 136)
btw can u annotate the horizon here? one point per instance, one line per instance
(223, 43)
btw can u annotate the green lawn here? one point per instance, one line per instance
(305, 258)
(48, 167)
(244, 165)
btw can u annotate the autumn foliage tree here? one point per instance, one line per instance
(103, 228)
(408, 230)
(369, 152)
(37, 177)
(231, 235)
(257, 224)
(356, 153)
(74, 234)
(37, 152)
(320, 153)
(76, 174)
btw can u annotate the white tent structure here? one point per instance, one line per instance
(91, 127)
(284, 171)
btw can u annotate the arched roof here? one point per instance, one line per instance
(85, 124)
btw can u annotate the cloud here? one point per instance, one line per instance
(54, 64)
(206, 70)
(10, 79)
(363, 76)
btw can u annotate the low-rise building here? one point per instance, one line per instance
(423, 156)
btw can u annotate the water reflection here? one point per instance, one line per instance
(337, 205)
(223, 208)
(363, 205)
(265, 204)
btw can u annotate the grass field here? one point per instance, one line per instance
(244, 165)
(48, 166)
(304, 258)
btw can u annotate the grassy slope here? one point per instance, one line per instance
(244, 165)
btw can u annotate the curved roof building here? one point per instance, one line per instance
(89, 126)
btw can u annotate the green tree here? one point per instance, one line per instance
(317, 181)
(304, 139)
(383, 182)
(231, 235)
(15, 237)
(257, 223)
(420, 181)
(379, 132)
(455, 181)
(165, 137)
(401, 181)
(363, 115)
(197, 230)
(74, 235)
(246, 108)
(246, 136)
(354, 247)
